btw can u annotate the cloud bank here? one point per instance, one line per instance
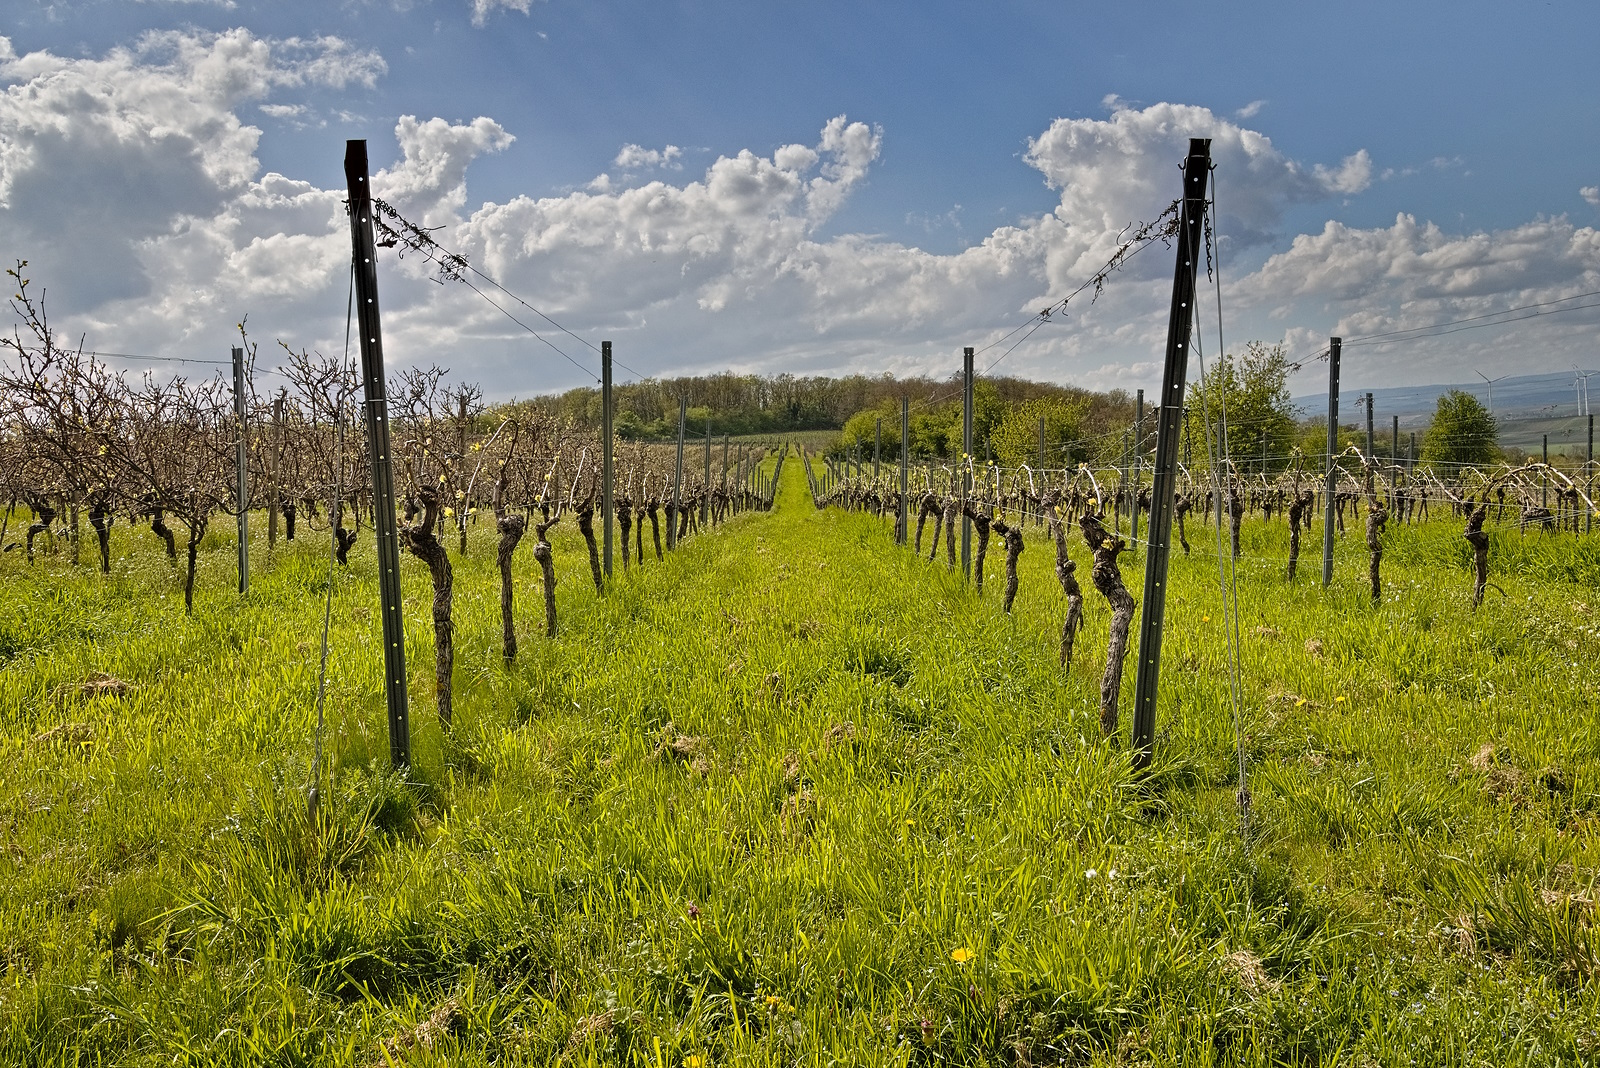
(131, 182)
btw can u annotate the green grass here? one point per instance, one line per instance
(794, 796)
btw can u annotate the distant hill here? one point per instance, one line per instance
(1526, 406)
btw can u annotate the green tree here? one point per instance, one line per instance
(861, 431)
(1016, 435)
(1462, 432)
(1254, 388)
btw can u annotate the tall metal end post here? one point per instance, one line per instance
(241, 473)
(377, 419)
(1169, 423)
(607, 476)
(966, 460)
(1333, 463)
(905, 465)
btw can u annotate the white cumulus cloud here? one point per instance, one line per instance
(100, 156)
(637, 157)
(482, 9)
(131, 181)
(1415, 274)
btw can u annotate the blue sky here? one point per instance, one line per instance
(1380, 166)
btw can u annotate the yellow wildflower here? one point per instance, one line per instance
(962, 954)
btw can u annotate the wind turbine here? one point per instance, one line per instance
(1490, 383)
(1581, 380)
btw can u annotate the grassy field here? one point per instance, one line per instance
(796, 797)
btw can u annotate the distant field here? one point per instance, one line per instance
(794, 796)
(1568, 433)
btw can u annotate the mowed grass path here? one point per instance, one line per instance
(794, 796)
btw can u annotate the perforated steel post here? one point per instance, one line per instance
(1147, 676)
(376, 408)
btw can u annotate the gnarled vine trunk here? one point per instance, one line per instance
(421, 540)
(928, 505)
(159, 528)
(511, 528)
(624, 508)
(1376, 517)
(1297, 511)
(1107, 578)
(543, 554)
(1013, 541)
(653, 509)
(197, 529)
(1480, 551)
(101, 518)
(43, 516)
(586, 527)
(343, 540)
(980, 519)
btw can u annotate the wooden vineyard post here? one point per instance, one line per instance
(1138, 433)
(677, 480)
(966, 460)
(905, 465)
(377, 418)
(606, 440)
(241, 469)
(1169, 428)
(1333, 467)
(705, 486)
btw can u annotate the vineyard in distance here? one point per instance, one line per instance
(832, 766)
